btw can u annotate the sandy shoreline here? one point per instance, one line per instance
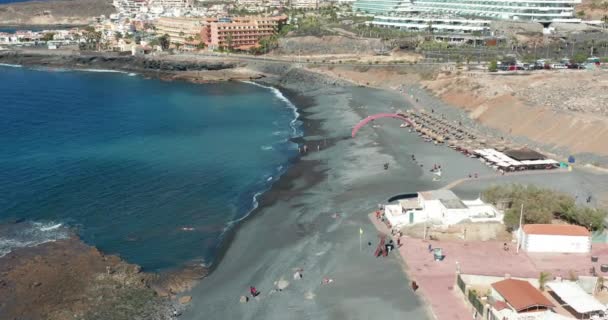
(310, 218)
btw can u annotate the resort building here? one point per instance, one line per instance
(440, 207)
(444, 24)
(180, 30)
(384, 7)
(242, 33)
(561, 238)
(530, 10)
(544, 11)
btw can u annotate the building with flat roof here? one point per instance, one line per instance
(441, 207)
(562, 238)
(242, 33)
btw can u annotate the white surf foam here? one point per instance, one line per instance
(266, 148)
(101, 70)
(29, 234)
(11, 65)
(49, 228)
(294, 123)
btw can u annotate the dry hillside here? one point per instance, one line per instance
(60, 12)
(593, 9)
(565, 109)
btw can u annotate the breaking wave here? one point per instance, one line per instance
(30, 234)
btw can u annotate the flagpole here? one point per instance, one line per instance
(521, 215)
(360, 234)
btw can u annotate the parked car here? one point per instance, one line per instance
(558, 66)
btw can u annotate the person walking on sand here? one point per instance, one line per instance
(254, 291)
(414, 286)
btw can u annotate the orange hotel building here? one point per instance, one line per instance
(243, 32)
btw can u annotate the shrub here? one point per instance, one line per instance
(541, 206)
(493, 66)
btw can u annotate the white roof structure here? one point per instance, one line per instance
(502, 160)
(573, 295)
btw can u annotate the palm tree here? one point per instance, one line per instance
(543, 278)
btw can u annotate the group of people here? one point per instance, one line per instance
(298, 275)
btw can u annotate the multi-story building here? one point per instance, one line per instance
(533, 10)
(383, 7)
(129, 6)
(443, 24)
(544, 11)
(304, 4)
(241, 33)
(180, 29)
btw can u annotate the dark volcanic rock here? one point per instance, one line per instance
(110, 61)
(67, 279)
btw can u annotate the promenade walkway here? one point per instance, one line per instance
(437, 279)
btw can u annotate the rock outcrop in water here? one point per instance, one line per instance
(67, 279)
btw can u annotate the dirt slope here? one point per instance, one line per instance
(60, 12)
(563, 109)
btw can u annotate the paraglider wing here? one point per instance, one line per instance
(378, 116)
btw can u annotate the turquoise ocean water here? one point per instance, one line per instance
(153, 171)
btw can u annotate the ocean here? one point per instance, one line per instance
(153, 171)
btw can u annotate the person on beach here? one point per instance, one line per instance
(254, 291)
(327, 280)
(430, 248)
(305, 149)
(298, 274)
(414, 286)
(399, 242)
(505, 247)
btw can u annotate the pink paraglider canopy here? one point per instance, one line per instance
(378, 116)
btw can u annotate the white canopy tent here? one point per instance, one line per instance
(574, 296)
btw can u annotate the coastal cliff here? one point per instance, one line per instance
(166, 67)
(75, 60)
(60, 12)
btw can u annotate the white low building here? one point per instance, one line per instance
(440, 207)
(562, 238)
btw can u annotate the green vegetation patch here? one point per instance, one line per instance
(542, 206)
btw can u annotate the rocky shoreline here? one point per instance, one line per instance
(67, 279)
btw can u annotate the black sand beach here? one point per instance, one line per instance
(311, 217)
